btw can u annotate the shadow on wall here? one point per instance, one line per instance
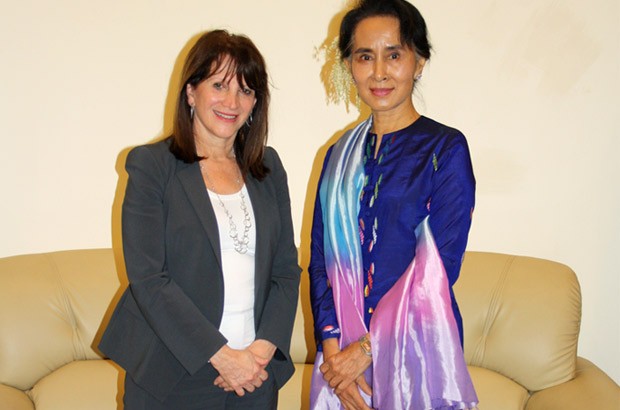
(168, 120)
(339, 90)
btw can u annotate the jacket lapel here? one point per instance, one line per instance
(265, 211)
(261, 218)
(194, 186)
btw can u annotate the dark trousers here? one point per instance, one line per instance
(198, 393)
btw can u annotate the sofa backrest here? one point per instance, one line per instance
(521, 317)
(51, 307)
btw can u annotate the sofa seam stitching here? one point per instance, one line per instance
(493, 308)
(77, 349)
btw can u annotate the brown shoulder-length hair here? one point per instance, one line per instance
(206, 58)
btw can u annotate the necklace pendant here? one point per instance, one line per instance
(240, 245)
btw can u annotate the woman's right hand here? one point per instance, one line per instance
(240, 369)
(348, 393)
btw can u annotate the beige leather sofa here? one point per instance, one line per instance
(521, 315)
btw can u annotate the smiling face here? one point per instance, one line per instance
(384, 69)
(221, 106)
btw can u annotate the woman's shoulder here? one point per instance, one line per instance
(441, 136)
(438, 129)
(158, 151)
(445, 145)
(271, 158)
(272, 161)
(153, 157)
(270, 153)
(160, 148)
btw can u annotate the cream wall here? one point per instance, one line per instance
(533, 84)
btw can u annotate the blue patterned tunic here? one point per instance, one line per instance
(423, 169)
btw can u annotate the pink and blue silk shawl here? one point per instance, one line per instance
(418, 361)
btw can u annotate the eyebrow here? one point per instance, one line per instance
(362, 50)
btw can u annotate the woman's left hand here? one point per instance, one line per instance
(342, 369)
(263, 351)
(263, 348)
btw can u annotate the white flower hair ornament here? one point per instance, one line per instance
(336, 77)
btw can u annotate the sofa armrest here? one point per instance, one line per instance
(590, 389)
(14, 399)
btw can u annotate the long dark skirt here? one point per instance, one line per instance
(198, 393)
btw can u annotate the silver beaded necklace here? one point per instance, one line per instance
(241, 245)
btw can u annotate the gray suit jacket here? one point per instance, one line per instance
(166, 323)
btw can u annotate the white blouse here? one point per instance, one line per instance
(238, 318)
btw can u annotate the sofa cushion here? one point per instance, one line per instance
(51, 308)
(497, 392)
(590, 389)
(83, 384)
(522, 317)
(14, 399)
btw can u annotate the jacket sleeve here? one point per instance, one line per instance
(170, 313)
(278, 316)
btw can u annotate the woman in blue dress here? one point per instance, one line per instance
(391, 220)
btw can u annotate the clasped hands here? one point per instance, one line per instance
(243, 370)
(344, 371)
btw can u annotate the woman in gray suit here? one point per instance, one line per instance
(208, 242)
